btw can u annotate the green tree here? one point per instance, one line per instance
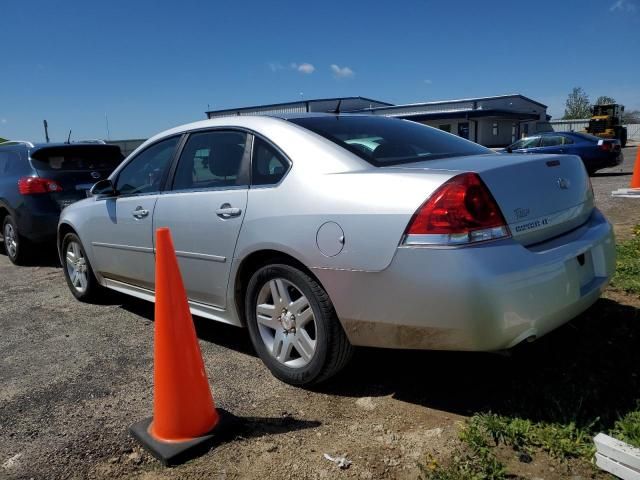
(577, 105)
(604, 100)
(631, 116)
(2, 140)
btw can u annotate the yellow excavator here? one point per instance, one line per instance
(606, 122)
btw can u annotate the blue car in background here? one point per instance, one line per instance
(596, 153)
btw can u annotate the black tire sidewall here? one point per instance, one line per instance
(313, 370)
(92, 283)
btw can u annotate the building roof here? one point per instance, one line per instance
(462, 100)
(467, 107)
(296, 103)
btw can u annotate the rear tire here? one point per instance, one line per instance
(15, 245)
(297, 335)
(78, 272)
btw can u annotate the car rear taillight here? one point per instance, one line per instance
(606, 145)
(462, 211)
(34, 185)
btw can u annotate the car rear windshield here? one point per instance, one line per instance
(383, 141)
(587, 136)
(78, 158)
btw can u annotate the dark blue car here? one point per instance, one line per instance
(596, 153)
(38, 180)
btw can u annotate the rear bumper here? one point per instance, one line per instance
(482, 298)
(38, 220)
(612, 160)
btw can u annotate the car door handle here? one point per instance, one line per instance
(227, 211)
(140, 213)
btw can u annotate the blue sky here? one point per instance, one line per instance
(150, 65)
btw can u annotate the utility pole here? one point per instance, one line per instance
(106, 119)
(46, 130)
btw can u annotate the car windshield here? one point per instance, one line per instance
(77, 158)
(385, 141)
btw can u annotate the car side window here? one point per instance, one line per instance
(551, 140)
(144, 173)
(530, 142)
(211, 159)
(268, 165)
(567, 140)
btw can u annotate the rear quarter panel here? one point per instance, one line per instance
(328, 184)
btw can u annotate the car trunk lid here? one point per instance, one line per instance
(540, 196)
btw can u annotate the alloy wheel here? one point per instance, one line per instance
(77, 267)
(286, 323)
(10, 240)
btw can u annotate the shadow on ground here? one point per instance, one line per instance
(41, 255)
(586, 372)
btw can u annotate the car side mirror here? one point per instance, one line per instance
(509, 150)
(104, 188)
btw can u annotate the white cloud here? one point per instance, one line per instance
(306, 68)
(275, 66)
(623, 6)
(344, 72)
(302, 67)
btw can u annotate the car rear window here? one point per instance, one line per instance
(587, 136)
(77, 158)
(383, 141)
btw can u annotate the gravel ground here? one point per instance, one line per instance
(75, 376)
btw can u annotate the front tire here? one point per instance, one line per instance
(15, 245)
(294, 327)
(77, 270)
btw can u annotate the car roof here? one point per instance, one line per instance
(37, 146)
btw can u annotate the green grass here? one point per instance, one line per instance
(628, 265)
(627, 428)
(475, 460)
(558, 393)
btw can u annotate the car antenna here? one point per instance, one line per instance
(69, 137)
(46, 130)
(337, 110)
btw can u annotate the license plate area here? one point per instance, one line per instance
(585, 271)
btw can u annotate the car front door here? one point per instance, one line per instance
(120, 227)
(204, 209)
(527, 145)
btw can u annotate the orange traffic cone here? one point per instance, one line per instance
(635, 179)
(184, 414)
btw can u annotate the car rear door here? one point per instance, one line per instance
(204, 208)
(119, 228)
(551, 144)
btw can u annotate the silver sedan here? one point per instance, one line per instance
(323, 232)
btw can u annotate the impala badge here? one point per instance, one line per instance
(564, 183)
(95, 174)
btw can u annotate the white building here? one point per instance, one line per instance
(491, 121)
